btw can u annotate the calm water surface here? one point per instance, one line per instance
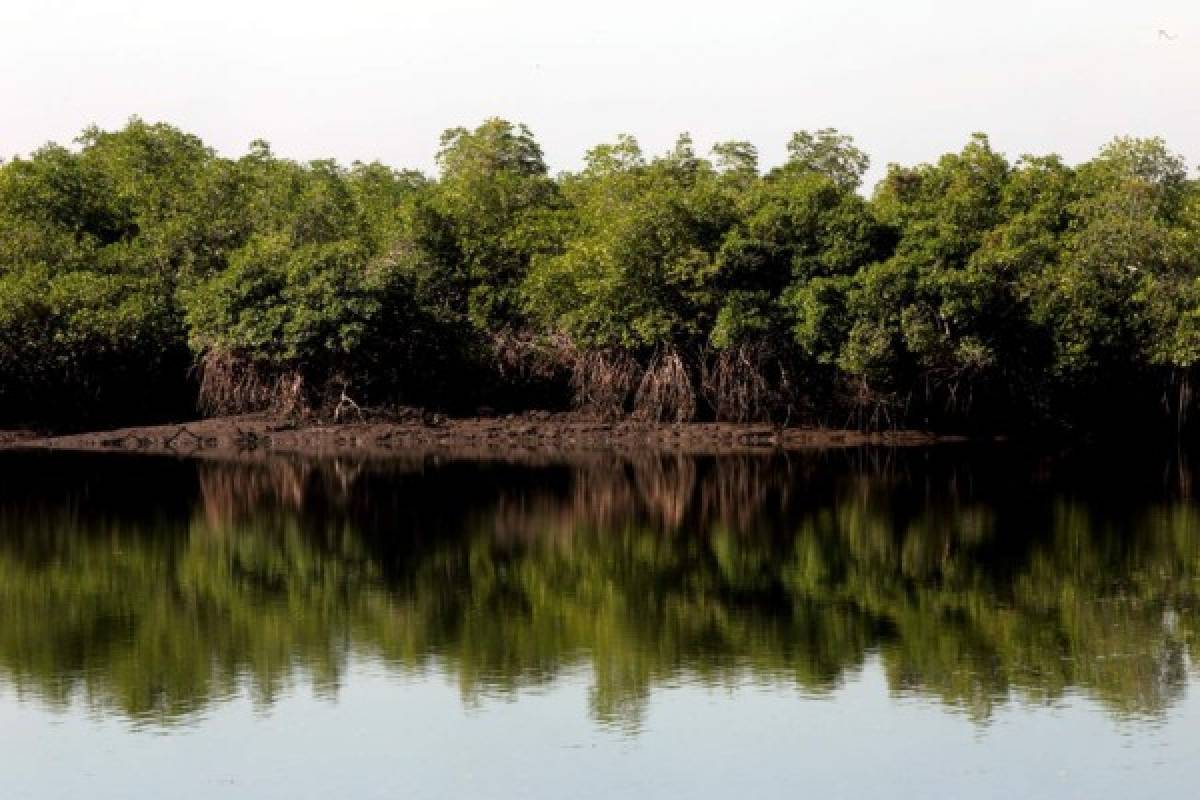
(914, 623)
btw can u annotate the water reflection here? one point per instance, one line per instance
(154, 588)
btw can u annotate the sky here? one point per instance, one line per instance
(380, 79)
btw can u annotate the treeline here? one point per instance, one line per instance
(144, 276)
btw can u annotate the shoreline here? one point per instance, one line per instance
(533, 430)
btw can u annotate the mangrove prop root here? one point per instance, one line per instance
(603, 380)
(665, 392)
(736, 385)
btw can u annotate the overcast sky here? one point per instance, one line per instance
(367, 79)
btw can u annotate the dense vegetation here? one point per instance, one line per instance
(158, 588)
(142, 275)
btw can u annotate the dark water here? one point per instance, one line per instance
(920, 623)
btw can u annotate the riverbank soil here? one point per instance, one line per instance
(431, 431)
(9, 438)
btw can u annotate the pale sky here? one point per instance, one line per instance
(380, 79)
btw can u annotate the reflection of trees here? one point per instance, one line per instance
(159, 587)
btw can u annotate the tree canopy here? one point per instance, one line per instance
(143, 274)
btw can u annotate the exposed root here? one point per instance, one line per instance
(345, 406)
(232, 385)
(665, 392)
(289, 397)
(738, 389)
(872, 410)
(196, 440)
(525, 357)
(603, 380)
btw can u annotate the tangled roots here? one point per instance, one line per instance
(602, 381)
(230, 384)
(737, 386)
(665, 392)
(870, 409)
(529, 358)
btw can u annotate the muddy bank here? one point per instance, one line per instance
(10, 438)
(528, 431)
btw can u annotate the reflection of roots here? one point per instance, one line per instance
(602, 494)
(666, 485)
(665, 392)
(668, 491)
(230, 384)
(737, 490)
(671, 491)
(233, 492)
(615, 491)
(230, 492)
(602, 381)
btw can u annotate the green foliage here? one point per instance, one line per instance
(91, 248)
(930, 312)
(830, 153)
(969, 291)
(286, 303)
(493, 197)
(638, 264)
(797, 227)
(1124, 250)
